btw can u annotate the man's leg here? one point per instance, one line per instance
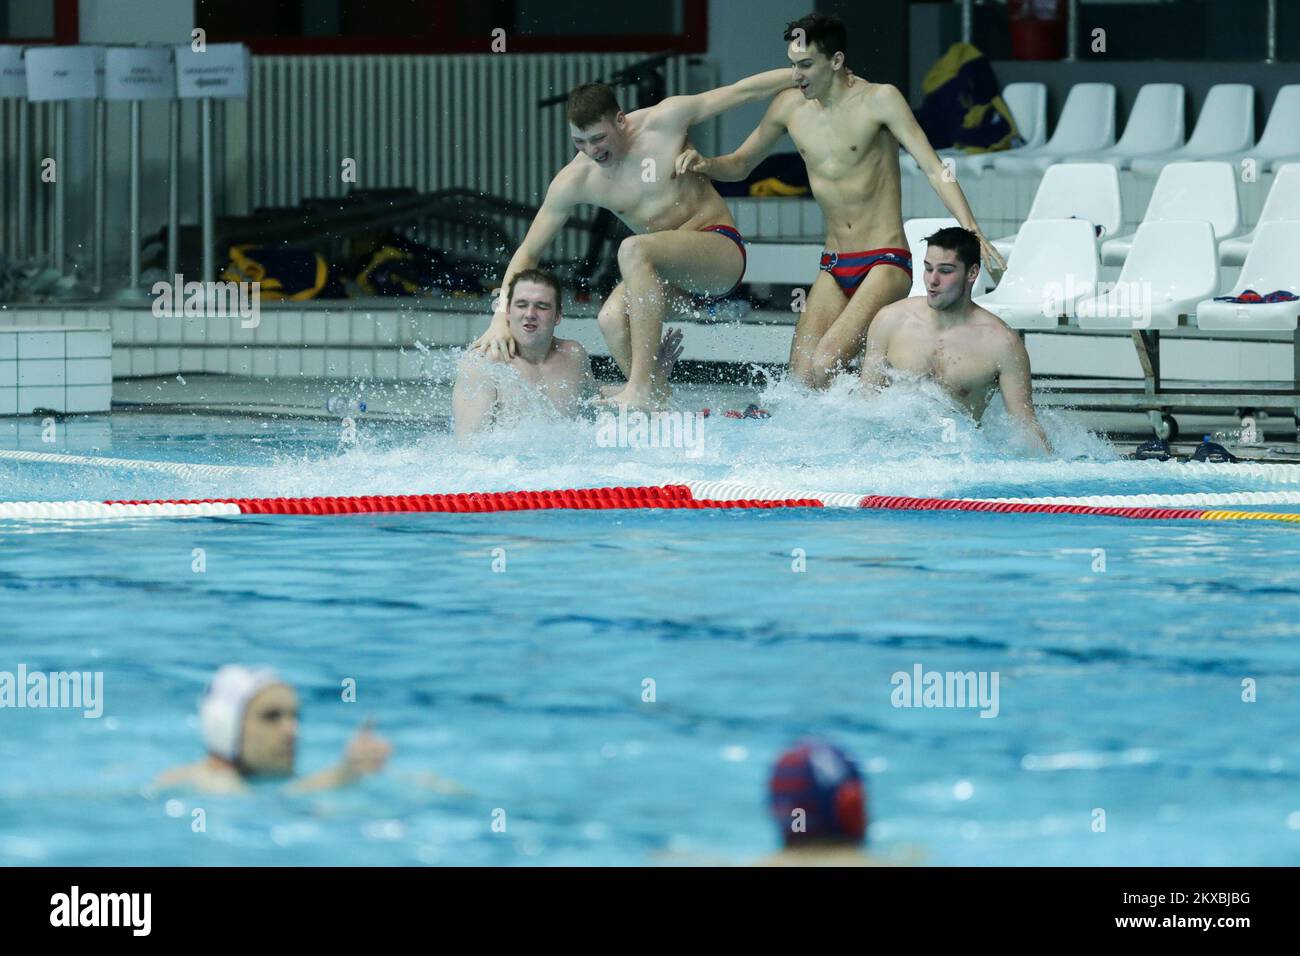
(679, 308)
(616, 328)
(706, 263)
(847, 336)
(825, 303)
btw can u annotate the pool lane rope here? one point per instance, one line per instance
(181, 468)
(694, 494)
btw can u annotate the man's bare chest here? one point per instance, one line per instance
(834, 149)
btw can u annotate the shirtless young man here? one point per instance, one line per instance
(686, 240)
(848, 132)
(557, 369)
(946, 337)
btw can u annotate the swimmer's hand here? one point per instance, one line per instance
(670, 350)
(690, 161)
(496, 343)
(366, 753)
(993, 259)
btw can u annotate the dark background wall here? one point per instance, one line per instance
(1145, 43)
(878, 49)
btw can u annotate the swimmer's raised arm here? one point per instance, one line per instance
(473, 398)
(733, 167)
(900, 120)
(1016, 385)
(561, 196)
(698, 107)
(365, 754)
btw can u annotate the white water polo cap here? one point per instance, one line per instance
(221, 712)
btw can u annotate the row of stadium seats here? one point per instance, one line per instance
(1154, 136)
(1171, 264)
(1170, 277)
(1184, 190)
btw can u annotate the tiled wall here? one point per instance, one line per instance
(288, 341)
(315, 342)
(49, 367)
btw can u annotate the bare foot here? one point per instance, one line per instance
(635, 398)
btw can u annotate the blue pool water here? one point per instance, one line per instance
(1120, 689)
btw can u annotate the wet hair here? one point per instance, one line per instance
(541, 277)
(590, 103)
(824, 29)
(959, 240)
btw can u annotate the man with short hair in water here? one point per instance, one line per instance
(249, 721)
(686, 241)
(848, 132)
(946, 337)
(559, 370)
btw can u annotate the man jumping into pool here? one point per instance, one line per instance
(946, 337)
(249, 721)
(848, 132)
(686, 240)
(559, 370)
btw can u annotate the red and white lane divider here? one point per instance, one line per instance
(687, 495)
(1184, 500)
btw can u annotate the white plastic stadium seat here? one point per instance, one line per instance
(1155, 125)
(916, 230)
(1087, 125)
(1054, 262)
(1226, 125)
(1173, 266)
(1271, 266)
(1283, 202)
(1028, 105)
(1280, 143)
(1075, 191)
(1187, 191)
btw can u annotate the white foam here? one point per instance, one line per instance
(907, 440)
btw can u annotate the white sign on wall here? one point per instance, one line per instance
(220, 71)
(61, 73)
(13, 72)
(140, 73)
